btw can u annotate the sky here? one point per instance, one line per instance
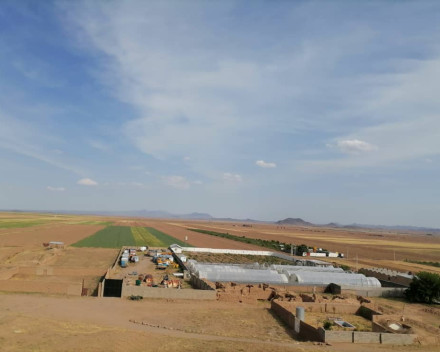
(328, 111)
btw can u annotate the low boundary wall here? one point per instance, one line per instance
(201, 284)
(308, 332)
(168, 293)
(376, 292)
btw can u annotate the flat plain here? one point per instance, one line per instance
(48, 321)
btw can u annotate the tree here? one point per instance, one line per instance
(425, 288)
(302, 248)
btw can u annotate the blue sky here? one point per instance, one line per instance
(327, 111)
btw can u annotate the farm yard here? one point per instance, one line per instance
(118, 236)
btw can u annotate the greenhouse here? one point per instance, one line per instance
(236, 273)
(295, 268)
(279, 274)
(325, 278)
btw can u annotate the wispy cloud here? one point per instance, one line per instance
(263, 164)
(227, 176)
(354, 146)
(87, 182)
(25, 138)
(178, 182)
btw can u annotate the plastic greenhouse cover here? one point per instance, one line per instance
(306, 268)
(322, 278)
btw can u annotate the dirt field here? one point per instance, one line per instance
(36, 235)
(34, 322)
(24, 259)
(47, 323)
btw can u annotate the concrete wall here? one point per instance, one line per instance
(169, 293)
(308, 332)
(284, 314)
(312, 307)
(366, 337)
(64, 288)
(335, 336)
(367, 313)
(398, 339)
(201, 284)
(375, 292)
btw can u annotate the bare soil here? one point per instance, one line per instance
(47, 323)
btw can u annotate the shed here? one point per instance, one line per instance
(176, 248)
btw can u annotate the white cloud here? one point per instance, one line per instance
(197, 182)
(262, 163)
(178, 182)
(87, 182)
(55, 189)
(227, 176)
(354, 146)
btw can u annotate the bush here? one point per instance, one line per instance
(344, 267)
(327, 325)
(425, 288)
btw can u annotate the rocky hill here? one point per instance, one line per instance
(294, 221)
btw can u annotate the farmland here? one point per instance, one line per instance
(106, 324)
(110, 237)
(362, 247)
(165, 239)
(118, 236)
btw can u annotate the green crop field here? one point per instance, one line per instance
(110, 237)
(166, 239)
(143, 237)
(118, 236)
(16, 223)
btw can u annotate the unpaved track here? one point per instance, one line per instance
(52, 323)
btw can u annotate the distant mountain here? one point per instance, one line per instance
(204, 216)
(156, 214)
(196, 216)
(294, 221)
(332, 224)
(393, 228)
